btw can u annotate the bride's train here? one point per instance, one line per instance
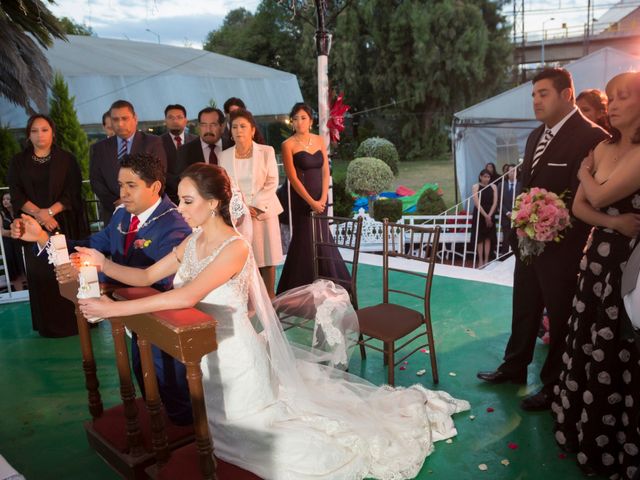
(277, 412)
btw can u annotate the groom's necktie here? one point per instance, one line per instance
(131, 234)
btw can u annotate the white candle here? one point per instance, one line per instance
(59, 244)
(89, 286)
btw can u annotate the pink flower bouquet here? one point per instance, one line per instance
(538, 217)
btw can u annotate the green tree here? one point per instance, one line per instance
(69, 134)
(25, 73)
(74, 28)
(8, 148)
(429, 58)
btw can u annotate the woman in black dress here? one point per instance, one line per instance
(597, 398)
(483, 226)
(12, 251)
(307, 167)
(45, 182)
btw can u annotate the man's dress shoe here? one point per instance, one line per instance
(535, 402)
(502, 377)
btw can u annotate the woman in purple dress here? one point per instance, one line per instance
(307, 167)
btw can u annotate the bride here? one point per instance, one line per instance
(273, 409)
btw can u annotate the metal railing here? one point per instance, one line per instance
(459, 234)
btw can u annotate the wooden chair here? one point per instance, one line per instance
(187, 335)
(390, 322)
(121, 435)
(346, 234)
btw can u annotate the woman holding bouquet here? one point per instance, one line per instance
(596, 400)
(483, 226)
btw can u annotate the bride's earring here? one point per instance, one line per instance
(213, 213)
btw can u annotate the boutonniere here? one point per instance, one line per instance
(141, 243)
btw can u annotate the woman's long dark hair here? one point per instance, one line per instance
(212, 183)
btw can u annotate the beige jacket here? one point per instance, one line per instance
(265, 178)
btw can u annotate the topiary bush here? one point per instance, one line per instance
(390, 208)
(342, 199)
(368, 176)
(382, 149)
(8, 148)
(430, 203)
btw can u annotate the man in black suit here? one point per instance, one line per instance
(175, 118)
(105, 155)
(553, 155)
(230, 105)
(508, 189)
(206, 148)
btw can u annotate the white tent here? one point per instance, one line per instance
(151, 76)
(496, 130)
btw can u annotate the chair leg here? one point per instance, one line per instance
(363, 351)
(385, 356)
(432, 352)
(390, 364)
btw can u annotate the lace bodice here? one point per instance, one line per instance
(192, 266)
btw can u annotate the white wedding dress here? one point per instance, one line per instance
(287, 418)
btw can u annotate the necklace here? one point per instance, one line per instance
(247, 154)
(148, 222)
(305, 145)
(41, 160)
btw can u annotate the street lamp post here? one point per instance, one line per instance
(543, 35)
(155, 33)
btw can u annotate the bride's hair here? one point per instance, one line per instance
(212, 182)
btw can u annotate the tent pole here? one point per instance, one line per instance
(453, 153)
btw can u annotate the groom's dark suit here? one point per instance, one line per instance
(164, 233)
(550, 279)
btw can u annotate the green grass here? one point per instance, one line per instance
(416, 174)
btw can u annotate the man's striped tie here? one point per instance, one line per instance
(123, 149)
(541, 148)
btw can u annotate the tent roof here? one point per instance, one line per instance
(151, 76)
(591, 71)
(616, 13)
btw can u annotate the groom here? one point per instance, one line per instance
(553, 154)
(142, 231)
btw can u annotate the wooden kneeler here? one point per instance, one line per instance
(187, 335)
(121, 435)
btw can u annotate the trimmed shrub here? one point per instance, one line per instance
(381, 149)
(368, 176)
(8, 148)
(390, 208)
(430, 203)
(342, 199)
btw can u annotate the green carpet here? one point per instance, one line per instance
(43, 401)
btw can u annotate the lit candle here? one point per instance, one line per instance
(59, 245)
(89, 285)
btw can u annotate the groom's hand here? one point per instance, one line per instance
(27, 228)
(66, 273)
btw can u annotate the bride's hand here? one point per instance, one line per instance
(91, 256)
(97, 307)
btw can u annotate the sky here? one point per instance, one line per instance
(176, 22)
(187, 22)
